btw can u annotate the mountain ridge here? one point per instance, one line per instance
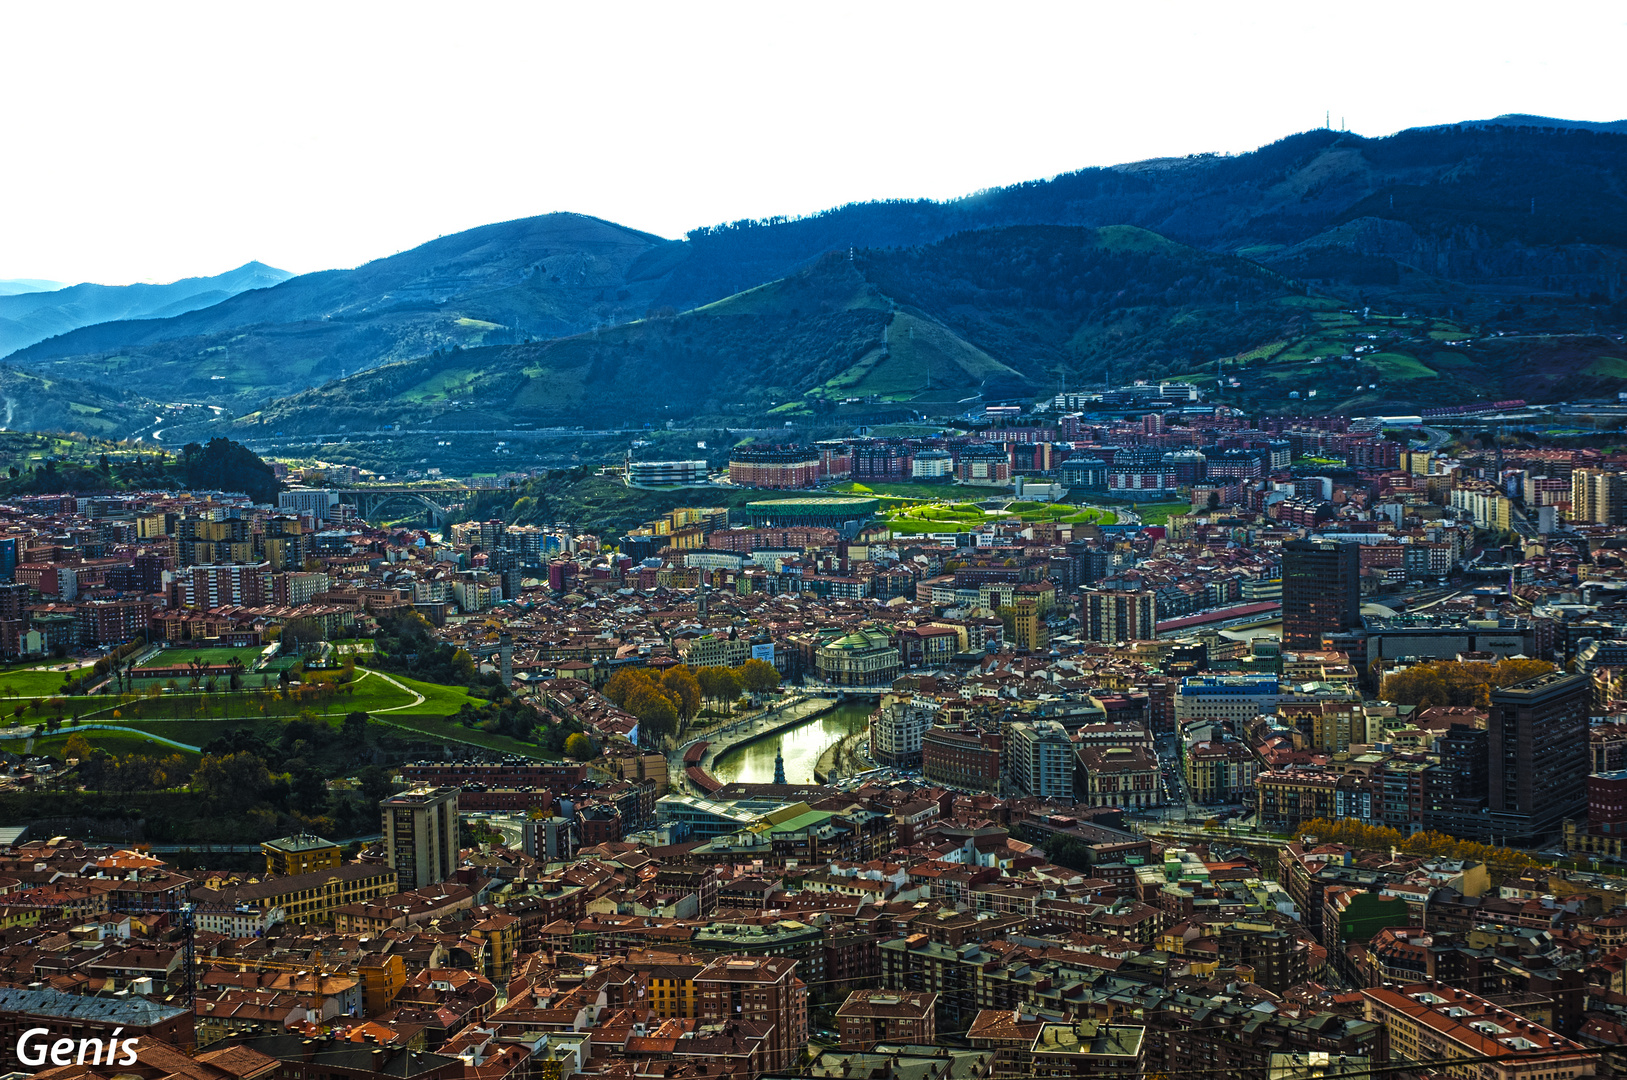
(1465, 223)
(875, 333)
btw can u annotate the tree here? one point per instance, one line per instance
(224, 465)
(1418, 685)
(656, 713)
(622, 685)
(355, 726)
(241, 777)
(579, 747)
(681, 685)
(301, 631)
(1451, 682)
(712, 683)
(728, 684)
(758, 676)
(309, 788)
(375, 782)
(78, 747)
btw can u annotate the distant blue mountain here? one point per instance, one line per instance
(32, 311)
(13, 286)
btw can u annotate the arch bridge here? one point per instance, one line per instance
(371, 502)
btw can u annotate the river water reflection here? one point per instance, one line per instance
(801, 745)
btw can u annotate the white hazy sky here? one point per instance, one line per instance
(147, 142)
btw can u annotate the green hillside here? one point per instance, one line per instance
(986, 316)
(46, 401)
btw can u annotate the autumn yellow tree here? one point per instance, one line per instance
(1452, 682)
(758, 676)
(684, 689)
(620, 686)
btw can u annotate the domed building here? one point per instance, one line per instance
(862, 657)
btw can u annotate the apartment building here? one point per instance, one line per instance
(1435, 1023)
(421, 834)
(761, 989)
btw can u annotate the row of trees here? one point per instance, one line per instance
(664, 701)
(128, 773)
(220, 464)
(1435, 844)
(1453, 682)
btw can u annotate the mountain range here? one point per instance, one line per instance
(13, 286)
(29, 315)
(1477, 257)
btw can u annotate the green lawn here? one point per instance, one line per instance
(372, 692)
(438, 700)
(177, 656)
(1608, 367)
(962, 517)
(1159, 513)
(185, 706)
(114, 742)
(930, 492)
(32, 681)
(1063, 512)
(193, 732)
(439, 728)
(913, 526)
(1400, 366)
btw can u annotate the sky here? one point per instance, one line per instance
(158, 141)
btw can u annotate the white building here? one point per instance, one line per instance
(666, 472)
(1236, 698)
(313, 501)
(245, 920)
(897, 728)
(932, 465)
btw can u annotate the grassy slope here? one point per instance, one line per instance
(989, 314)
(1400, 364)
(921, 361)
(1159, 513)
(964, 517)
(388, 704)
(114, 742)
(29, 681)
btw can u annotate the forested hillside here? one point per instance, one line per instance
(1462, 233)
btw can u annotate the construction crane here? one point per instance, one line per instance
(185, 913)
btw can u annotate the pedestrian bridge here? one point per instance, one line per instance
(827, 690)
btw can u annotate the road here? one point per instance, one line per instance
(264, 442)
(1178, 805)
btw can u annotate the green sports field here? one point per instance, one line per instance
(213, 656)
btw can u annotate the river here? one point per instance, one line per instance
(801, 745)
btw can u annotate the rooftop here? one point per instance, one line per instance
(298, 843)
(128, 1011)
(1090, 1037)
